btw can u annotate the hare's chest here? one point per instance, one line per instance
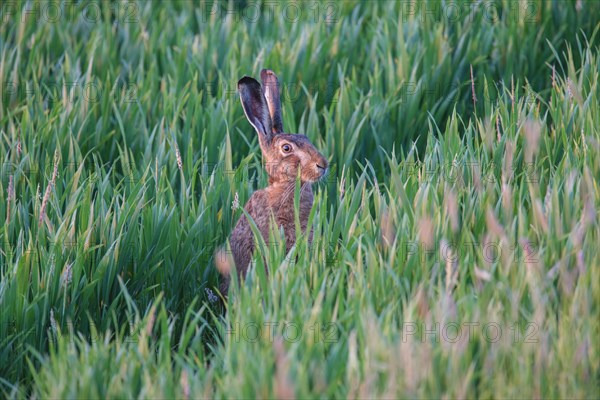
(284, 211)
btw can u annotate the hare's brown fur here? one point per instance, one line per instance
(285, 155)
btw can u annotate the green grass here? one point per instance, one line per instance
(441, 212)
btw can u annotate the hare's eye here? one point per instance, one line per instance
(286, 148)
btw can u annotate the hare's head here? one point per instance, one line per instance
(284, 154)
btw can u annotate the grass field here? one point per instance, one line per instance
(456, 239)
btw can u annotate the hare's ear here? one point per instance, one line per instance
(271, 89)
(256, 110)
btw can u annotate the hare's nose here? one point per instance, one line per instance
(323, 163)
(322, 170)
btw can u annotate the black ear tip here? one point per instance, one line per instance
(246, 80)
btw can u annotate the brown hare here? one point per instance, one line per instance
(283, 155)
